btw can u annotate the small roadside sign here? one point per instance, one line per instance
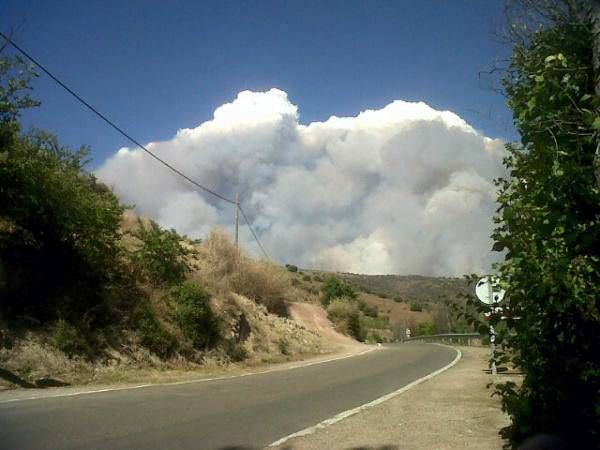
(488, 291)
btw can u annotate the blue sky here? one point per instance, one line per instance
(155, 66)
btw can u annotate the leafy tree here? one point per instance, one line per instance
(548, 224)
(15, 78)
(334, 287)
(160, 258)
(58, 225)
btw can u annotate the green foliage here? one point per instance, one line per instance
(237, 352)
(160, 258)
(416, 307)
(154, 337)
(194, 316)
(284, 347)
(58, 225)
(291, 268)
(345, 314)
(549, 226)
(374, 338)
(398, 299)
(334, 287)
(367, 309)
(318, 278)
(306, 277)
(66, 337)
(379, 323)
(426, 329)
(15, 78)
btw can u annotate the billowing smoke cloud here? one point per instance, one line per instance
(404, 189)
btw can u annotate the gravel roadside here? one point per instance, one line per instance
(451, 411)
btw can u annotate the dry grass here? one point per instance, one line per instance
(272, 337)
(239, 286)
(222, 269)
(399, 314)
(31, 359)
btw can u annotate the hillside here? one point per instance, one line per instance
(225, 310)
(409, 287)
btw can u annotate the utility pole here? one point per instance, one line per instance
(237, 220)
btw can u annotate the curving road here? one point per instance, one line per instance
(250, 411)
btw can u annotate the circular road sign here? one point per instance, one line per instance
(488, 293)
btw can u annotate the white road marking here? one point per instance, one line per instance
(345, 414)
(46, 394)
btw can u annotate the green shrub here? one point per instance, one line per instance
(160, 258)
(153, 336)
(336, 288)
(426, 329)
(381, 323)
(367, 309)
(66, 337)
(383, 295)
(318, 278)
(345, 315)
(296, 282)
(306, 277)
(416, 307)
(398, 299)
(193, 315)
(284, 347)
(291, 268)
(374, 338)
(237, 352)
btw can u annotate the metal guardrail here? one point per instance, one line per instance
(449, 338)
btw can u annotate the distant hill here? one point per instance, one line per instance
(409, 287)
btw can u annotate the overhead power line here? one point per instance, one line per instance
(111, 123)
(252, 231)
(134, 141)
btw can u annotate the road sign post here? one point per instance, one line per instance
(493, 369)
(484, 289)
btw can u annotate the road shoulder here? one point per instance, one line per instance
(453, 410)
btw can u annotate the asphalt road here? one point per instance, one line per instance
(246, 412)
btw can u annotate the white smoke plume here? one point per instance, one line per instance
(404, 189)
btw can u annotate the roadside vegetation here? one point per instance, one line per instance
(87, 288)
(548, 226)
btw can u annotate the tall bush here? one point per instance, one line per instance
(548, 225)
(160, 258)
(193, 315)
(345, 315)
(334, 287)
